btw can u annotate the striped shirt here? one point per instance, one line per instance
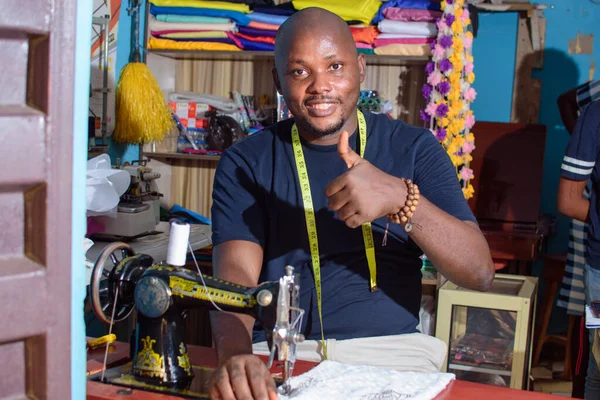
(571, 295)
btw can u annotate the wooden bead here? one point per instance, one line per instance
(404, 220)
(409, 203)
(415, 203)
(413, 209)
(406, 209)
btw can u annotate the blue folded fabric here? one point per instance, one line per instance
(245, 30)
(416, 4)
(188, 216)
(249, 45)
(238, 17)
(267, 18)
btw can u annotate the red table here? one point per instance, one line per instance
(120, 353)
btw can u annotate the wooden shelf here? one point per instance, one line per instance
(181, 156)
(266, 55)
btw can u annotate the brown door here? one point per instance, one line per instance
(36, 135)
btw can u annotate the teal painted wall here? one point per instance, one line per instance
(493, 51)
(78, 204)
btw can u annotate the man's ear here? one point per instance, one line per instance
(362, 67)
(276, 80)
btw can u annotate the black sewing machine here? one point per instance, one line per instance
(161, 294)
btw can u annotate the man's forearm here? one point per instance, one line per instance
(456, 248)
(232, 334)
(577, 208)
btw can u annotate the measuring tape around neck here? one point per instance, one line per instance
(311, 224)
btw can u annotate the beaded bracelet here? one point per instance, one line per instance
(405, 214)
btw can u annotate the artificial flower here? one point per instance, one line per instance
(441, 134)
(468, 67)
(470, 77)
(429, 68)
(445, 65)
(426, 90)
(469, 121)
(442, 25)
(457, 27)
(468, 147)
(446, 41)
(435, 78)
(430, 109)
(443, 87)
(470, 94)
(468, 191)
(441, 110)
(438, 52)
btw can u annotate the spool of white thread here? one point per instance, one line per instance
(178, 243)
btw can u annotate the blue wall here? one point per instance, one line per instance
(494, 52)
(78, 220)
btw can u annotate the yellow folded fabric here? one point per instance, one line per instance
(165, 44)
(403, 50)
(349, 10)
(222, 5)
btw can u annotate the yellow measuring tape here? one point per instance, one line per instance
(311, 225)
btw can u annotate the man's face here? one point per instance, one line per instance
(320, 81)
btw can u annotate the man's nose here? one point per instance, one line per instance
(320, 83)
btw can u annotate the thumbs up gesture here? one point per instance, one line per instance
(363, 193)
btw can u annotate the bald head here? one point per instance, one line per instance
(310, 23)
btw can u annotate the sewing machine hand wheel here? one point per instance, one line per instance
(102, 284)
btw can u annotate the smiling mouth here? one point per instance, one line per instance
(321, 106)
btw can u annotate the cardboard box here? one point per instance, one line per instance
(191, 115)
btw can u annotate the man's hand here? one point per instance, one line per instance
(364, 193)
(242, 377)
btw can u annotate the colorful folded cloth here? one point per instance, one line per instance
(363, 46)
(349, 10)
(267, 18)
(155, 25)
(246, 30)
(167, 44)
(404, 50)
(364, 35)
(205, 40)
(261, 25)
(281, 9)
(416, 4)
(178, 34)
(197, 19)
(411, 14)
(263, 39)
(238, 17)
(221, 5)
(402, 36)
(385, 42)
(250, 45)
(411, 28)
(365, 51)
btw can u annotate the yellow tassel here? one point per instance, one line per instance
(142, 115)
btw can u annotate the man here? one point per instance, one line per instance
(369, 310)
(579, 167)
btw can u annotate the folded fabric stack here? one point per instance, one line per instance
(214, 25)
(357, 13)
(407, 27)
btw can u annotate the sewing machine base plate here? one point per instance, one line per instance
(198, 389)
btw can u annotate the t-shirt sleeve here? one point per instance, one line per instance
(582, 150)
(437, 179)
(236, 211)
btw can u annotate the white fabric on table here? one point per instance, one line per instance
(332, 380)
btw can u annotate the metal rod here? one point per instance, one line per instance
(104, 127)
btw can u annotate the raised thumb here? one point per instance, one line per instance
(350, 157)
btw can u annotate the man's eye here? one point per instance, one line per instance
(298, 72)
(336, 66)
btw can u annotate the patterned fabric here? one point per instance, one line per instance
(572, 291)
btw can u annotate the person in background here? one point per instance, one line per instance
(578, 199)
(299, 193)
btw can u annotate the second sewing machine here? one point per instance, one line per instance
(138, 211)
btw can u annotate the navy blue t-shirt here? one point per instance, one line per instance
(579, 164)
(257, 197)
